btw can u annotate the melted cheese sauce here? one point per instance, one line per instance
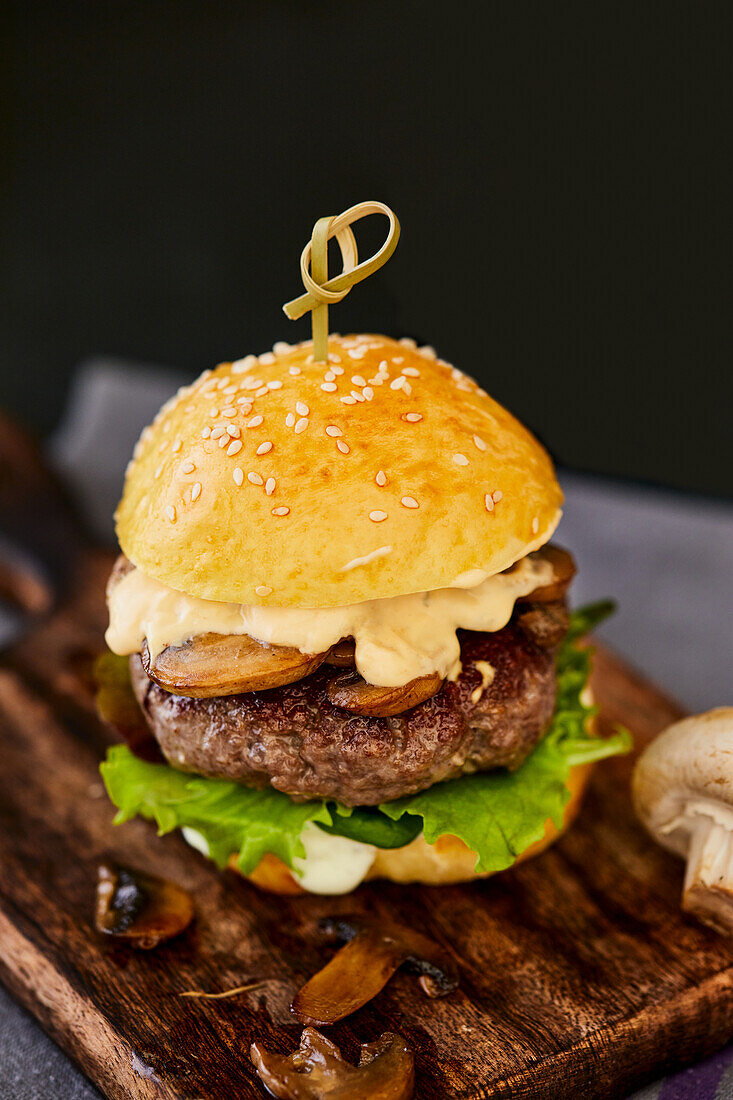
(397, 639)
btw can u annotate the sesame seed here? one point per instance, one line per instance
(427, 352)
(264, 448)
(254, 478)
(233, 431)
(196, 491)
(255, 421)
(358, 380)
(535, 525)
(171, 513)
(343, 447)
(460, 460)
(245, 403)
(177, 445)
(270, 486)
(348, 400)
(275, 384)
(376, 516)
(187, 468)
(294, 370)
(261, 391)
(223, 440)
(496, 496)
(397, 359)
(301, 408)
(478, 442)
(336, 370)
(267, 359)
(238, 475)
(234, 448)
(333, 431)
(280, 511)
(289, 420)
(329, 376)
(413, 418)
(223, 382)
(409, 502)
(263, 590)
(407, 388)
(159, 471)
(357, 396)
(251, 383)
(329, 387)
(206, 433)
(489, 503)
(368, 392)
(217, 432)
(357, 353)
(281, 348)
(408, 342)
(398, 383)
(381, 478)
(230, 389)
(411, 372)
(333, 358)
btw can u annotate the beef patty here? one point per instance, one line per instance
(293, 738)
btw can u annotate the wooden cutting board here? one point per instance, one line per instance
(580, 977)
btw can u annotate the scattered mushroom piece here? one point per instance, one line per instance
(142, 909)
(316, 1071)
(227, 664)
(683, 793)
(350, 691)
(360, 970)
(342, 655)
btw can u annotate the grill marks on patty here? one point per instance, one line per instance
(295, 739)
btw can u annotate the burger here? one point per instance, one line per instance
(345, 625)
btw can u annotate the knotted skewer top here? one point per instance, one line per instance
(320, 291)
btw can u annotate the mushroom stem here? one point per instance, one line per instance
(708, 889)
(683, 794)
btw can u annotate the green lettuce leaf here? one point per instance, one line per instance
(232, 819)
(497, 814)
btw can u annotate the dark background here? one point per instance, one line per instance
(562, 174)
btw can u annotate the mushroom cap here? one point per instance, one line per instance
(268, 483)
(687, 769)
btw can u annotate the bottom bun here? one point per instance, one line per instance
(447, 861)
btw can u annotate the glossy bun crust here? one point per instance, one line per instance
(444, 863)
(267, 480)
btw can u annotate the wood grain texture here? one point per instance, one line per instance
(580, 976)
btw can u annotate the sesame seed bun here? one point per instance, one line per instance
(444, 863)
(384, 472)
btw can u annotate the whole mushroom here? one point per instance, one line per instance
(683, 794)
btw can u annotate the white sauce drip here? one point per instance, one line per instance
(332, 864)
(397, 639)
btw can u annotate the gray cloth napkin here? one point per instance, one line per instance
(666, 558)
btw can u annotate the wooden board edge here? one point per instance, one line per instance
(691, 1026)
(117, 1069)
